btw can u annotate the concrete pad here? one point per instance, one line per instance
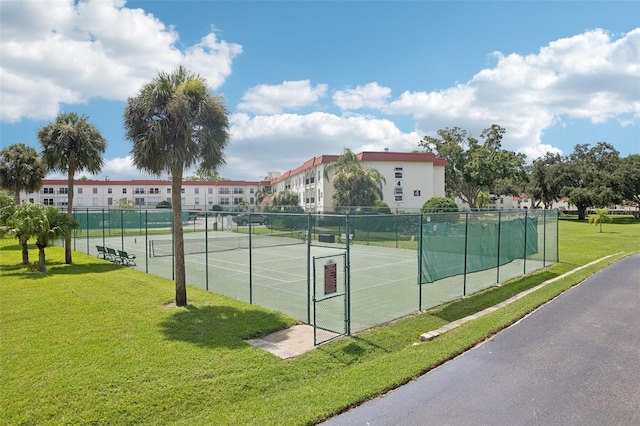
(287, 343)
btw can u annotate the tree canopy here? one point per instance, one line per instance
(627, 179)
(205, 175)
(21, 169)
(354, 185)
(588, 176)
(174, 123)
(71, 145)
(474, 165)
(545, 180)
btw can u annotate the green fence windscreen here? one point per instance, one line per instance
(450, 249)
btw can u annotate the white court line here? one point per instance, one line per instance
(246, 271)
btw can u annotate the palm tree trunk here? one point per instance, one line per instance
(42, 266)
(67, 240)
(25, 253)
(178, 237)
(16, 197)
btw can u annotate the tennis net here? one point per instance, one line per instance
(159, 248)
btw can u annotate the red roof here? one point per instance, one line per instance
(418, 157)
(151, 182)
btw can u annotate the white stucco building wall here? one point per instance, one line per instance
(410, 180)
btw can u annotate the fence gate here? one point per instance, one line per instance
(330, 297)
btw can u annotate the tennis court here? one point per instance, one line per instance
(375, 281)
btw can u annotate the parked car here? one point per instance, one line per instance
(244, 218)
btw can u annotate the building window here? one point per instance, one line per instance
(398, 172)
(47, 201)
(63, 190)
(224, 201)
(79, 190)
(109, 201)
(398, 190)
(95, 190)
(139, 191)
(109, 191)
(168, 190)
(252, 201)
(252, 190)
(237, 200)
(238, 190)
(210, 190)
(398, 198)
(124, 190)
(224, 191)
(182, 190)
(196, 190)
(139, 201)
(154, 190)
(47, 190)
(196, 201)
(31, 200)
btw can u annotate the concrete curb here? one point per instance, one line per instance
(425, 337)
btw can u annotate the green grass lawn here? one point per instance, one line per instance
(94, 343)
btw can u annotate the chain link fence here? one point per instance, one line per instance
(390, 265)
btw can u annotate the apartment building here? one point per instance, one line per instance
(196, 195)
(410, 180)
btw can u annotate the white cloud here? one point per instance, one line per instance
(370, 95)
(70, 52)
(273, 99)
(284, 141)
(587, 76)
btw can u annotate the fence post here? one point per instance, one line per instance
(348, 276)
(206, 250)
(146, 241)
(466, 239)
(498, 259)
(308, 268)
(87, 230)
(121, 229)
(544, 238)
(173, 257)
(420, 264)
(524, 255)
(250, 265)
(103, 241)
(557, 236)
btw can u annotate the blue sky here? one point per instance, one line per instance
(302, 79)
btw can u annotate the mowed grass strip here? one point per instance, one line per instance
(98, 343)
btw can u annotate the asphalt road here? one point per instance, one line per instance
(574, 361)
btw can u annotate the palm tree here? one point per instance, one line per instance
(285, 198)
(261, 194)
(354, 185)
(483, 199)
(21, 169)
(24, 222)
(71, 145)
(8, 210)
(58, 225)
(602, 215)
(174, 123)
